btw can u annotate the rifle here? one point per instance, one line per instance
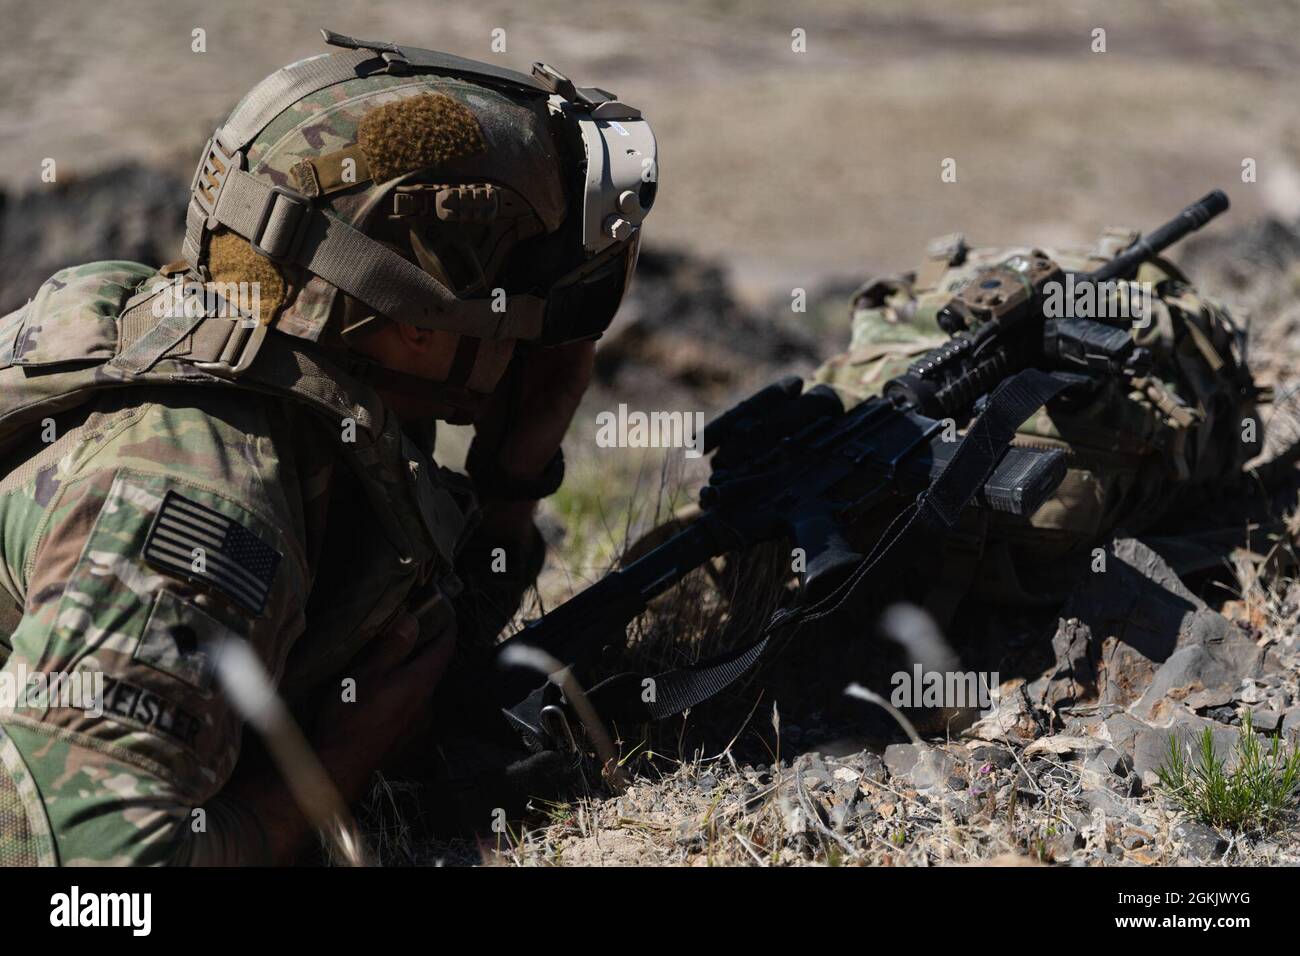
(794, 464)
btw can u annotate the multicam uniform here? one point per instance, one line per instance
(1134, 450)
(310, 543)
(171, 475)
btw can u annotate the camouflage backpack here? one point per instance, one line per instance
(1136, 448)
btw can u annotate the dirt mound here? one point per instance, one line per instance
(682, 328)
(1246, 260)
(1255, 271)
(130, 212)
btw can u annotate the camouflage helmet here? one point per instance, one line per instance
(426, 188)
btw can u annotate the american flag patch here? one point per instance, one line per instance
(195, 542)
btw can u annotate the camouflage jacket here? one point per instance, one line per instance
(1135, 450)
(148, 505)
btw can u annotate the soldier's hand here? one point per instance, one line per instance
(532, 408)
(391, 702)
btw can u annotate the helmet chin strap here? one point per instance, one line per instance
(454, 404)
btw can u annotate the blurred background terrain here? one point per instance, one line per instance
(789, 166)
(779, 171)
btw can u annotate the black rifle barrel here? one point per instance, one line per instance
(1186, 222)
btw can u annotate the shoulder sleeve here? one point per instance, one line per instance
(137, 573)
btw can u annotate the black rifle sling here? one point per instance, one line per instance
(930, 515)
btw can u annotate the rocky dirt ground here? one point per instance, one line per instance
(811, 171)
(1072, 784)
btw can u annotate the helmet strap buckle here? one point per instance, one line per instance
(211, 175)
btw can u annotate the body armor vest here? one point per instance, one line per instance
(103, 326)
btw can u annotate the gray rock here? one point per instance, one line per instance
(1199, 841)
(1135, 613)
(901, 758)
(1062, 846)
(871, 767)
(1146, 561)
(1124, 730)
(1026, 787)
(815, 783)
(933, 769)
(1202, 700)
(1291, 720)
(1151, 751)
(1063, 747)
(1146, 641)
(920, 766)
(1078, 819)
(998, 757)
(1265, 720)
(1108, 761)
(1220, 661)
(1108, 769)
(1112, 804)
(1226, 714)
(846, 792)
(1073, 678)
(1084, 725)
(1249, 692)
(958, 806)
(814, 771)
(1133, 839)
